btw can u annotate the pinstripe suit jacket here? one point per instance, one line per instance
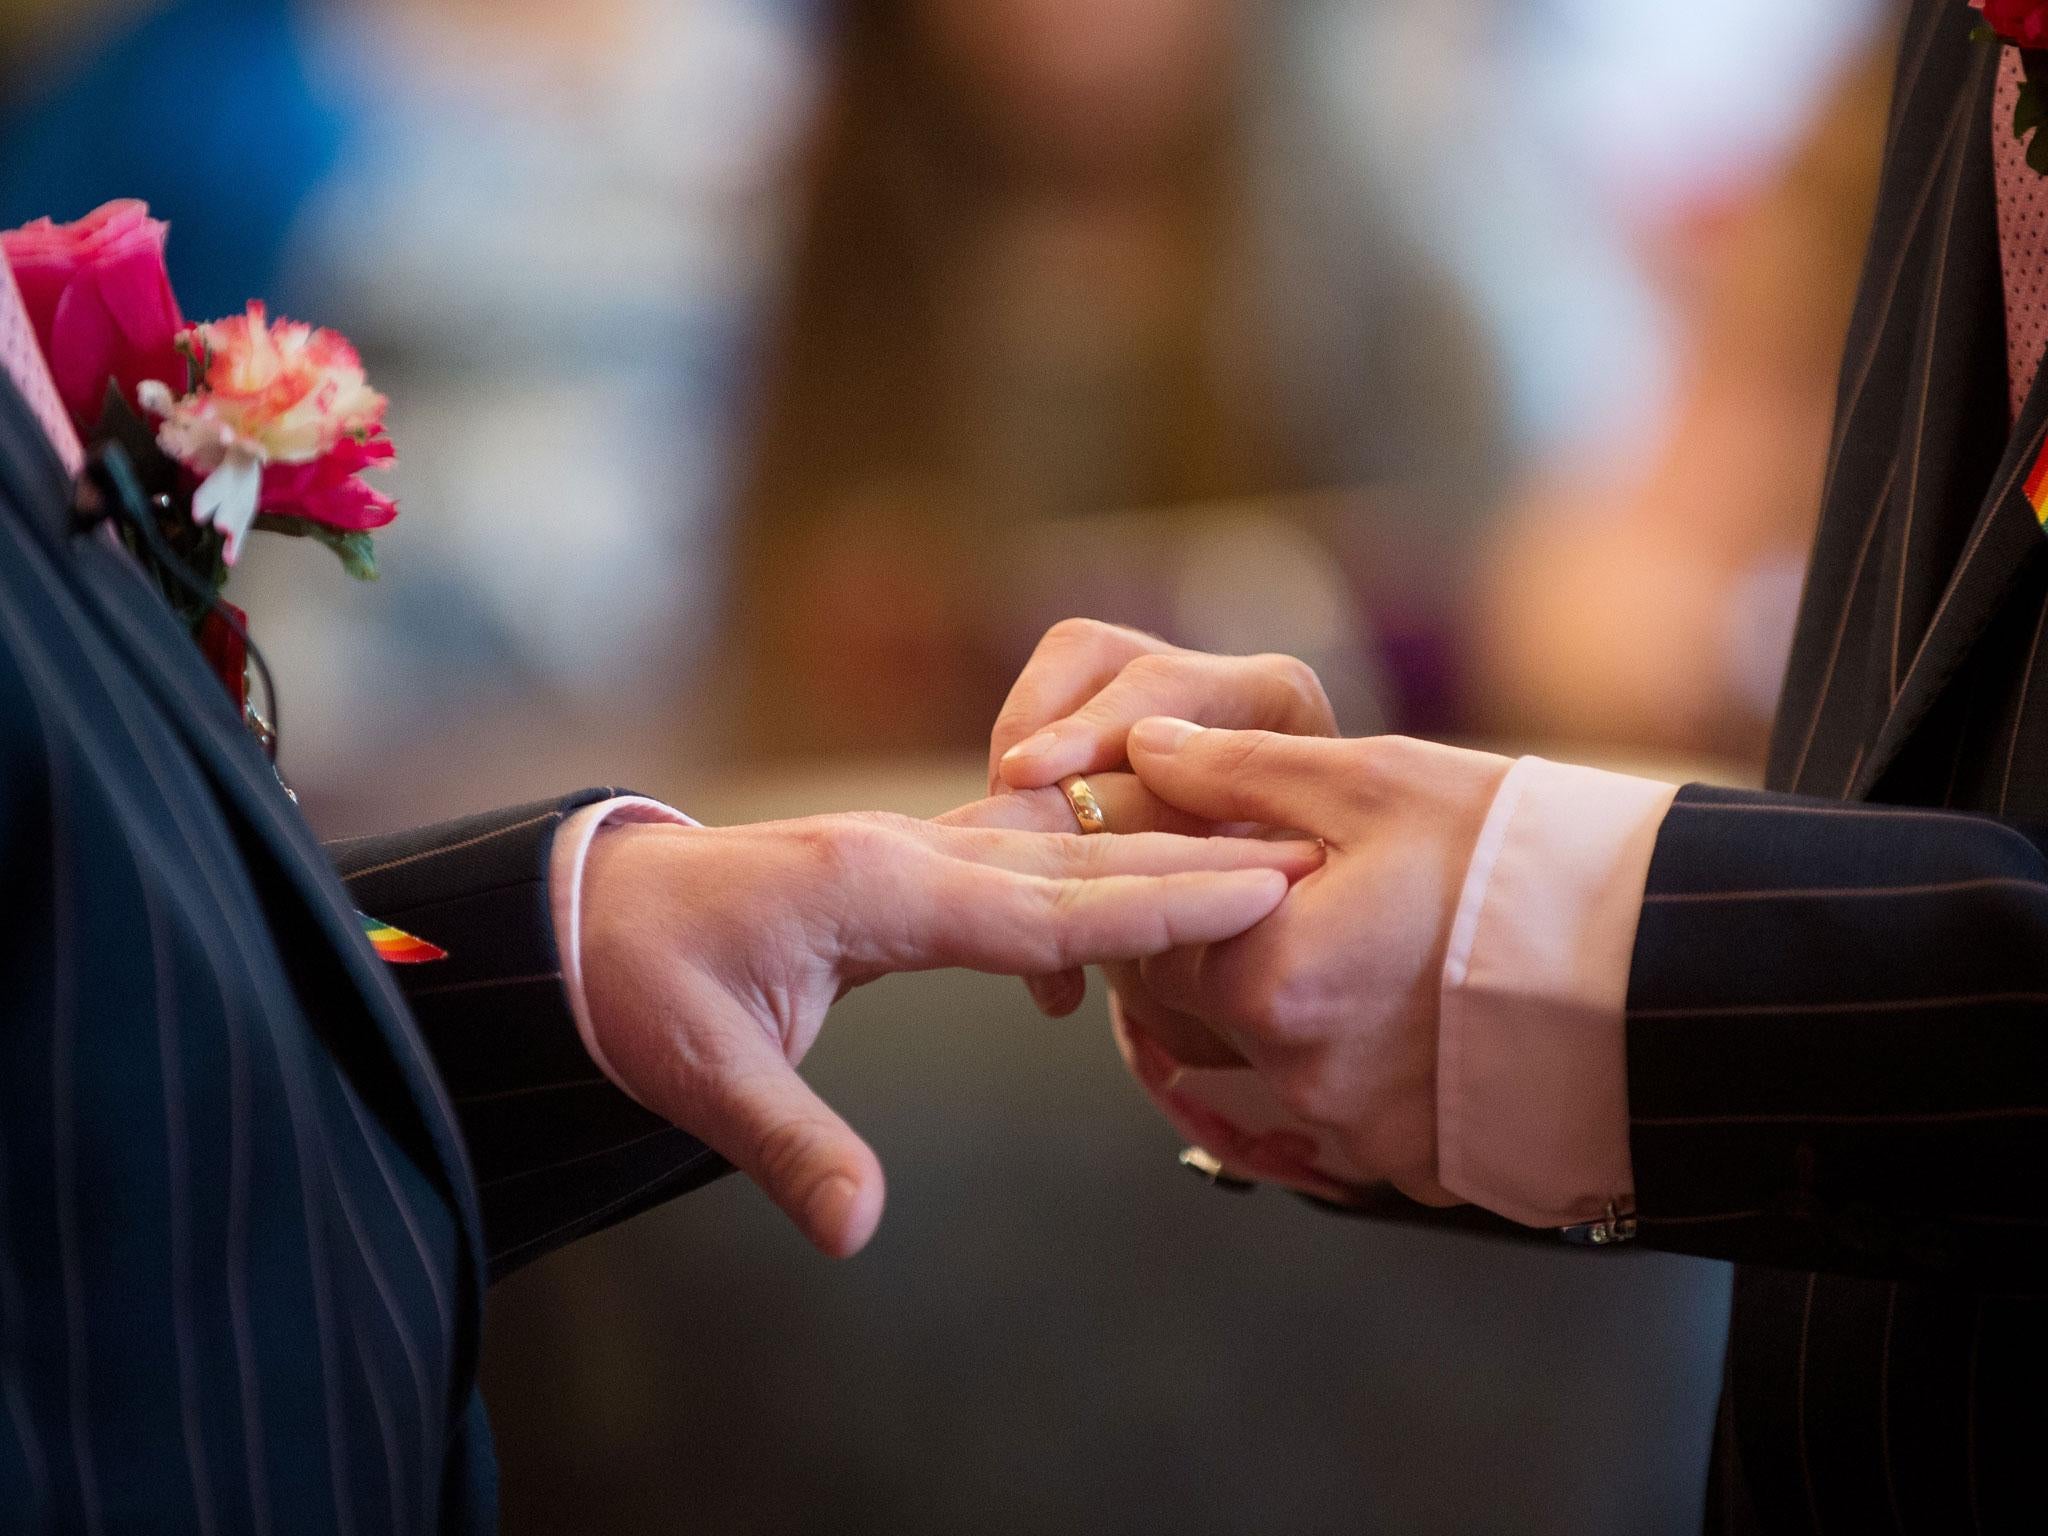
(1838, 1007)
(250, 1193)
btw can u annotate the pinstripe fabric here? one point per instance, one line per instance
(544, 1127)
(241, 1243)
(1838, 1007)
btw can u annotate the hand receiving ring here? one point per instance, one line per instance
(1087, 809)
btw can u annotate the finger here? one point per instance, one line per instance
(1070, 665)
(1061, 856)
(949, 912)
(1189, 981)
(1181, 1037)
(751, 1107)
(1125, 803)
(1267, 693)
(1283, 781)
(1127, 806)
(1058, 994)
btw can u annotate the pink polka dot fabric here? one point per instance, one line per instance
(22, 358)
(2022, 236)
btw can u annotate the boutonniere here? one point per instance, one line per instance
(2022, 24)
(230, 427)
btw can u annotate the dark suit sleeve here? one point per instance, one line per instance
(558, 1151)
(1838, 1040)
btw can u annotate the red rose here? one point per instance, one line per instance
(100, 299)
(2019, 21)
(226, 652)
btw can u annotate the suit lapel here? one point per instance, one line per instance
(1934, 227)
(2006, 538)
(1927, 524)
(169, 667)
(1949, 406)
(199, 711)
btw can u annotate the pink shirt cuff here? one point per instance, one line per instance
(1532, 1068)
(565, 896)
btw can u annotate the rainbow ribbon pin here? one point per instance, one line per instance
(2037, 488)
(395, 946)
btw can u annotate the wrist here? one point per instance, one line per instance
(1531, 1073)
(591, 872)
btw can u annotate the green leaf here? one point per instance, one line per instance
(357, 551)
(1982, 33)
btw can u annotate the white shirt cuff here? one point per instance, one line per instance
(1532, 1067)
(565, 896)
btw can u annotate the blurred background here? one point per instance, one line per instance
(768, 374)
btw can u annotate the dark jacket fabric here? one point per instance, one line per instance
(253, 1180)
(1838, 1006)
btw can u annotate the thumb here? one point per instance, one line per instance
(1259, 776)
(768, 1122)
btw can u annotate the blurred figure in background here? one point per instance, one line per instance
(700, 312)
(1059, 259)
(546, 228)
(553, 236)
(99, 105)
(1641, 594)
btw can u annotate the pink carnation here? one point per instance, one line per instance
(285, 399)
(329, 490)
(278, 388)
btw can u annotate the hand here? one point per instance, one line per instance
(1076, 700)
(1088, 683)
(1332, 1000)
(710, 956)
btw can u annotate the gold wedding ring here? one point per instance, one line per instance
(1087, 809)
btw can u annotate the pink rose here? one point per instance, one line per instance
(100, 299)
(2018, 21)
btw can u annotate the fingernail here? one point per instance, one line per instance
(827, 1208)
(1162, 733)
(1032, 746)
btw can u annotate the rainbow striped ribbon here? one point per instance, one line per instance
(395, 946)
(2037, 487)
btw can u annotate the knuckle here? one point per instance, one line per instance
(1302, 689)
(1064, 900)
(1375, 760)
(1277, 999)
(846, 843)
(1246, 753)
(1075, 634)
(1016, 719)
(1290, 1011)
(1064, 897)
(1246, 1000)
(1382, 764)
(1154, 668)
(1091, 856)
